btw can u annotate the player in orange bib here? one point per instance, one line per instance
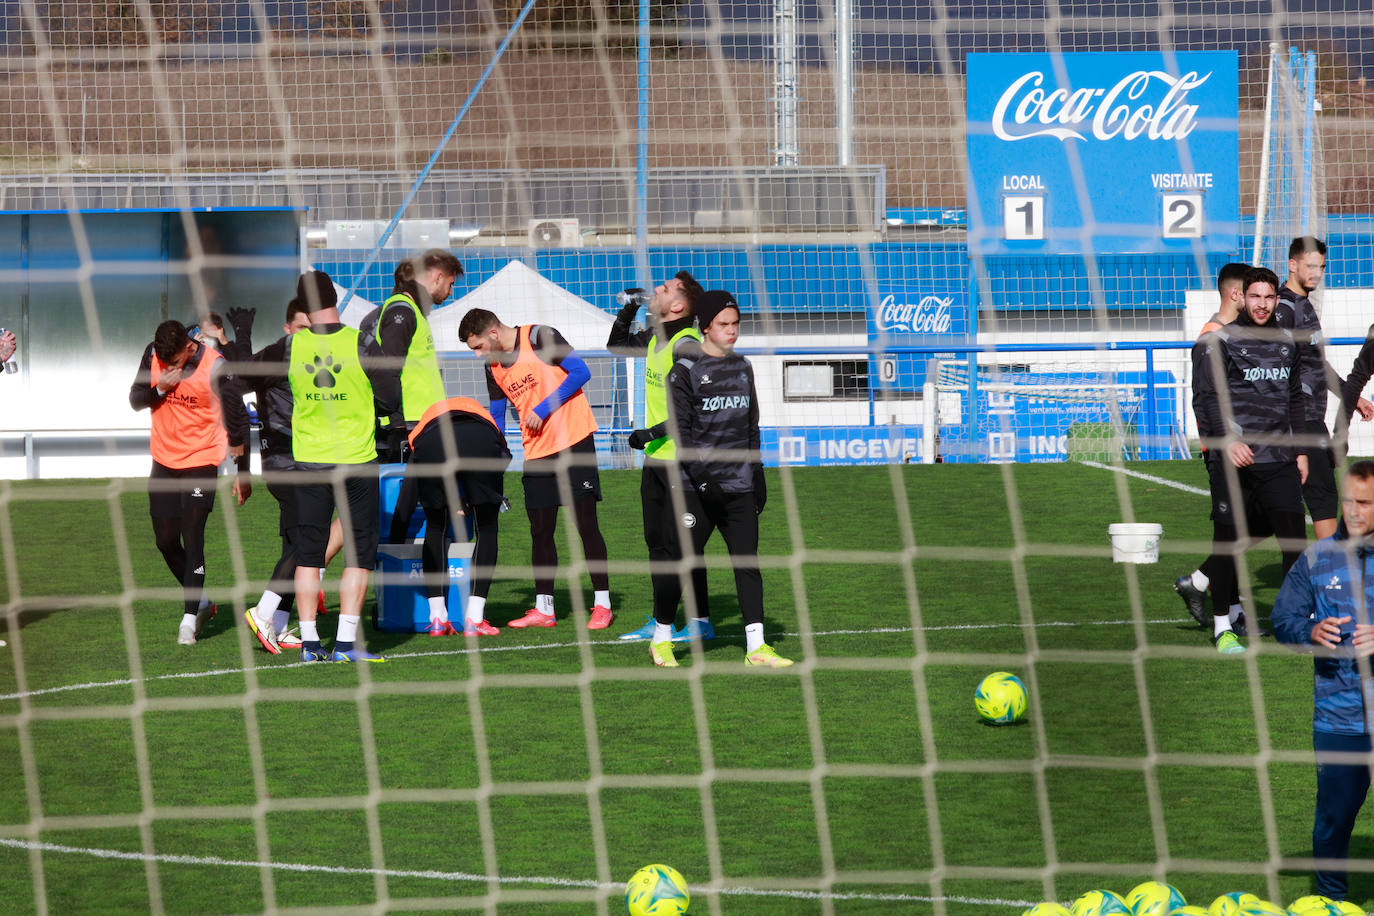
(537, 371)
(458, 461)
(198, 420)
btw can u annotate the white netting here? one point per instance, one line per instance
(161, 160)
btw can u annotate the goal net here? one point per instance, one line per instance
(1052, 412)
(971, 243)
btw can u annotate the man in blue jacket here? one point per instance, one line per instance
(1324, 608)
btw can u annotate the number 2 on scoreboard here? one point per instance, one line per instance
(1023, 217)
(1182, 216)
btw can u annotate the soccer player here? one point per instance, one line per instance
(458, 458)
(401, 326)
(269, 619)
(671, 335)
(1306, 268)
(340, 381)
(1323, 608)
(1245, 377)
(198, 419)
(1192, 588)
(539, 373)
(210, 331)
(715, 409)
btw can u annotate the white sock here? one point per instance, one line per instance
(308, 631)
(438, 613)
(1236, 610)
(188, 620)
(281, 620)
(1200, 582)
(544, 604)
(753, 636)
(348, 628)
(1220, 625)
(663, 632)
(602, 598)
(477, 609)
(204, 602)
(268, 604)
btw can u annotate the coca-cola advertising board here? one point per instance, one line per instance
(1103, 153)
(936, 316)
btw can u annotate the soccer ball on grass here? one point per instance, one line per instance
(1100, 903)
(1000, 698)
(657, 890)
(1154, 898)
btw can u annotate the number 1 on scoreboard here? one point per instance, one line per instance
(1023, 218)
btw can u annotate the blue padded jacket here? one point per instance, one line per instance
(1333, 578)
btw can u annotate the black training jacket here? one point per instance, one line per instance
(1260, 372)
(716, 410)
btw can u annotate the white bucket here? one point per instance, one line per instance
(1135, 543)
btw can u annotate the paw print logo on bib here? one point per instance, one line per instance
(323, 371)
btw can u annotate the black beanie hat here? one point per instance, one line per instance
(710, 304)
(316, 292)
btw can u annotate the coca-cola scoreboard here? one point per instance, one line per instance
(1103, 153)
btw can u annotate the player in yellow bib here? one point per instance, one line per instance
(340, 383)
(670, 336)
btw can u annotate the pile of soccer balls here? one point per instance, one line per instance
(1155, 899)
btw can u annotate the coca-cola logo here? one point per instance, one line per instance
(1130, 109)
(931, 315)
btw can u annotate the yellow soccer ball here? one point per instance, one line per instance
(1000, 698)
(1047, 909)
(1100, 903)
(1230, 904)
(1154, 898)
(657, 890)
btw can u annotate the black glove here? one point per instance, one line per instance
(640, 438)
(241, 320)
(708, 488)
(760, 490)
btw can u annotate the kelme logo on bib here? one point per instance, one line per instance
(323, 371)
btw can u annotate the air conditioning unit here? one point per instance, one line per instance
(555, 233)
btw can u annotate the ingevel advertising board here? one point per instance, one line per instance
(1102, 153)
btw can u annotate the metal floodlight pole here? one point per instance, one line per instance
(844, 62)
(642, 271)
(786, 142)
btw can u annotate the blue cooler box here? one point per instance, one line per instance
(399, 587)
(389, 481)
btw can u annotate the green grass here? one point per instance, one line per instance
(862, 773)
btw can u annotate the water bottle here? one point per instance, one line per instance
(633, 297)
(11, 364)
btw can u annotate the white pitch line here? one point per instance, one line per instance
(125, 682)
(457, 876)
(1186, 488)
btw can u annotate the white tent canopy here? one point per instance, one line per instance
(521, 296)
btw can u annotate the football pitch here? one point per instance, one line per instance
(546, 767)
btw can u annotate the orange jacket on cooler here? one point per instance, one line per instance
(527, 382)
(188, 426)
(452, 405)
